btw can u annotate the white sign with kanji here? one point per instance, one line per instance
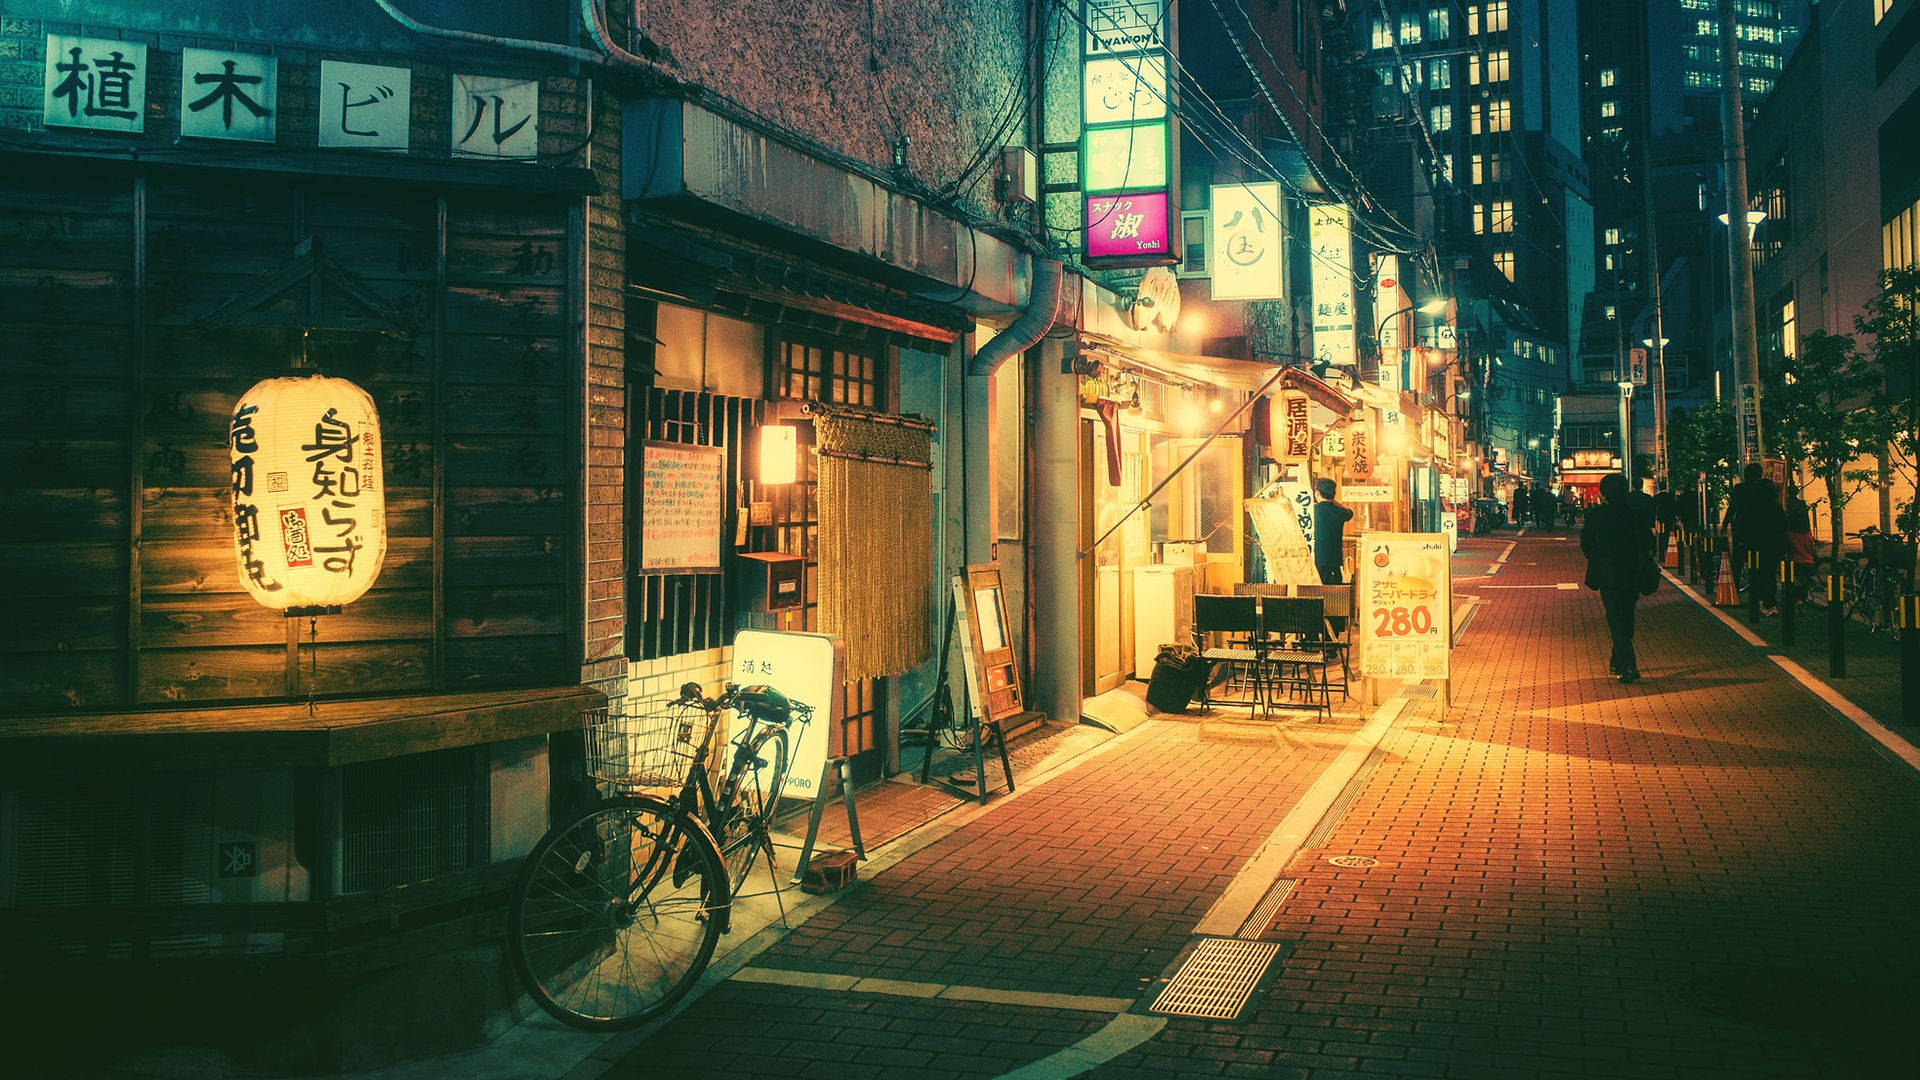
(228, 95)
(495, 117)
(810, 670)
(1249, 246)
(94, 83)
(365, 106)
(1403, 605)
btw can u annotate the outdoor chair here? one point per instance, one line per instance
(1236, 620)
(1298, 653)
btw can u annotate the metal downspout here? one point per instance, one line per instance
(1043, 309)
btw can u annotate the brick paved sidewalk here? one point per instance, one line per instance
(1705, 874)
(1089, 886)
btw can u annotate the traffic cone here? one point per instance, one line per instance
(1724, 593)
(1672, 560)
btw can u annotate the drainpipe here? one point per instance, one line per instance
(550, 48)
(1043, 309)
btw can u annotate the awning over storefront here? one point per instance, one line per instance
(1247, 375)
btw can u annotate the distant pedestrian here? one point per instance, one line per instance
(1759, 528)
(1544, 508)
(1666, 511)
(1799, 546)
(1618, 544)
(1329, 534)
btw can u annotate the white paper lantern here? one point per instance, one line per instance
(309, 502)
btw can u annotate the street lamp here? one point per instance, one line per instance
(1433, 307)
(1754, 218)
(1626, 431)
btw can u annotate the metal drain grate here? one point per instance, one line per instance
(1324, 828)
(1420, 692)
(1353, 860)
(1217, 980)
(1262, 917)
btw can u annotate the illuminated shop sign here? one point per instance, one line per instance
(1127, 161)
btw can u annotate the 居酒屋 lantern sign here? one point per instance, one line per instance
(1248, 242)
(1128, 138)
(309, 505)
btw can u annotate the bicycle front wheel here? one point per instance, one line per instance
(616, 914)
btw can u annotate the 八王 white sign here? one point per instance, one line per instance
(1404, 605)
(1248, 245)
(1330, 236)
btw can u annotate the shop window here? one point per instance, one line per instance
(819, 369)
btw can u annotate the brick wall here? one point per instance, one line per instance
(606, 326)
(856, 74)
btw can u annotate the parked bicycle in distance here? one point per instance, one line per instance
(1874, 577)
(617, 909)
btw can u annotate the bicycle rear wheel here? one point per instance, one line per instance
(748, 800)
(616, 913)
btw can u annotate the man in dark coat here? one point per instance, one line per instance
(1329, 534)
(1666, 511)
(1618, 543)
(1759, 525)
(1544, 508)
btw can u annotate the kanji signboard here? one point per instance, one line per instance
(1248, 243)
(365, 106)
(495, 117)
(1330, 237)
(228, 95)
(94, 83)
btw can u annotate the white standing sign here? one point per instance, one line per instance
(495, 117)
(1403, 605)
(1450, 525)
(1248, 242)
(1330, 237)
(365, 106)
(810, 670)
(228, 95)
(94, 83)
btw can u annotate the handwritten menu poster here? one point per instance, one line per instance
(1404, 605)
(684, 512)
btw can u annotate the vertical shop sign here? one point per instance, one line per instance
(228, 95)
(1294, 440)
(1330, 236)
(495, 117)
(365, 106)
(1749, 423)
(1128, 140)
(1361, 449)
(1248, 242)
(94, 83)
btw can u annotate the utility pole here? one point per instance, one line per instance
(1746, 351)
(1658, 344)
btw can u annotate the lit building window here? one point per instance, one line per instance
(1439, 22)
(1499, 115)
(1503, 260)
(1479, 218)
(1440, 118)
(1496, 17)
(1606, 261)
(1612, 237)
(1440, 74)
(1474, 118)
(1382, 34)
(1497, 66)
(1608, 75)
(1789, 334)
(1609, 311)
(1478, 169)
(1609, 108)
(1409, 29)
(1880, 9)
(1500, 216)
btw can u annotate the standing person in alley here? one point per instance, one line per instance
(1666, 515)
(1759, 526)
(1618, 543)
(1329, 534)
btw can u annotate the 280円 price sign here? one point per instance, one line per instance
(1404, 604)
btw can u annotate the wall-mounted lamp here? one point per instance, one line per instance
(779, 454)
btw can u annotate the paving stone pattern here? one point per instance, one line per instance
(1705, 874)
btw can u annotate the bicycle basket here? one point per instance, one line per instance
(655, 745)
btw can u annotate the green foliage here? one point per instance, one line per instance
(1824, 408)
(1891, 323)
(1703, 441)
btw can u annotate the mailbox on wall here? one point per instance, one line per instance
(771, 581)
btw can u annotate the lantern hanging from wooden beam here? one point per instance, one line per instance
(309, 501)
(779, 454)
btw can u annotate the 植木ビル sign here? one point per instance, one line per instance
(1404, 605)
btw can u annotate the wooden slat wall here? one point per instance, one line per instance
(477, 418)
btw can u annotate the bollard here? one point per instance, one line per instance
(1836, 621)
(1789, 580)
(1909, 656)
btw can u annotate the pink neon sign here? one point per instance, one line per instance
(1127, 225)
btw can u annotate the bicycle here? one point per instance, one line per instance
(1875, 577)
(617, 910)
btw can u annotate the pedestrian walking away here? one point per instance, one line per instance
(1666, 513)
(1759, 527)
(1618, 543)
(1329, 534)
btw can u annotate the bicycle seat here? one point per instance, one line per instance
(764, 702)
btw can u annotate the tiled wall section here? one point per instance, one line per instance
(662, 678)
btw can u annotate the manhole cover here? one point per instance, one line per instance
(1217, 980)
(1353, 860)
